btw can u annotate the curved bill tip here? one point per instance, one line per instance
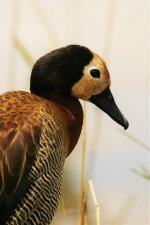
(126, 124)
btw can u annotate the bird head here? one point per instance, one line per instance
(78, 72)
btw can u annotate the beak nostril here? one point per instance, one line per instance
(110, 97)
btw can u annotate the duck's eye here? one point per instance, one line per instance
(95, 73)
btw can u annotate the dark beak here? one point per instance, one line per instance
(105, 101)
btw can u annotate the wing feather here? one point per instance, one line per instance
(17, 147)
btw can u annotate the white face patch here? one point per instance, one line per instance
(88, 85)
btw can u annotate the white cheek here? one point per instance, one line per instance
(88, 85)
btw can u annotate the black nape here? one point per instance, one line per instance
(59, 70)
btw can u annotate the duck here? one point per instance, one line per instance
(39, 130)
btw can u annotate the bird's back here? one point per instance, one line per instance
(33, 145)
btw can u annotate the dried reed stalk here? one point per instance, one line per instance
(97, 210)
(63, 206)
(109, 28)
(83, 220)
(83, 198)
(90, 189)
(82, 192)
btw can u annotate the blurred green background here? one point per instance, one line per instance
(117, 161)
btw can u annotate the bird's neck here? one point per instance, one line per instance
(73, 116)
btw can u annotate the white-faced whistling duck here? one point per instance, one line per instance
(38, 130)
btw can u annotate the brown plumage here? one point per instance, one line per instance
(37, 133)
(23, 118)
(20, 129)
